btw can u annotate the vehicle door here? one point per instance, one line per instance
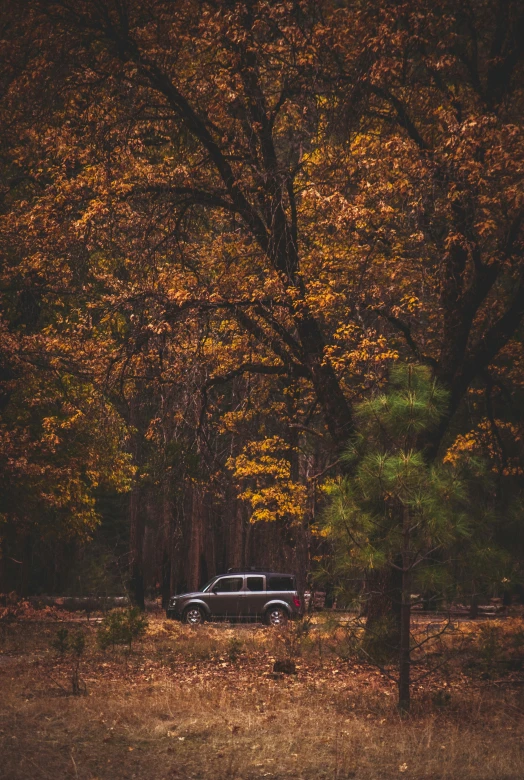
(255, 595)
(226, 599)
(281, 587)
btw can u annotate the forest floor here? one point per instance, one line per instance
(204, 703)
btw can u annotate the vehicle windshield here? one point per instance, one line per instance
(205, 588)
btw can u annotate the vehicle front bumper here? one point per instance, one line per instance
(173, 612)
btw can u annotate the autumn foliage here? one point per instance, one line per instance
(221, 224)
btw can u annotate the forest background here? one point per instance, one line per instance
(221, 225)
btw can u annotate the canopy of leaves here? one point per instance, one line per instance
(234, 217)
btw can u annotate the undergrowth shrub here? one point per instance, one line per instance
(75, 644)
(294, 640)
(204, 651)
(121, 627)
(499, 649)
(60, 642)
(235, 649)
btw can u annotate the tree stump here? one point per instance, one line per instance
(284, 667)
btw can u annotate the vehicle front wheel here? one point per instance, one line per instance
(193, 616)
(276, 616)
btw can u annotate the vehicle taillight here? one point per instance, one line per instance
(296, 602)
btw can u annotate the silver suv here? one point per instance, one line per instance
(240, 594)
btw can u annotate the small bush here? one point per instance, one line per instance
(490, 647)
(75, 644)
(441, 698)
(121, 627)
(381, 642)
(235, 649)
(499, 649)
(61, 641)
(203, 649)
(64, 641)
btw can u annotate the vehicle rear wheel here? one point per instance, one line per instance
(276, 616)
(193, 616)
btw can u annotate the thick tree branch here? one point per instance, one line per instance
(403, 116)
(173, 310)
(498, 335)
(187, 195)
(244, 368)
(252, 368)
(479, 359)
(253, 327)
(196, 123)
(284, 334)
(405, 329)
(507, 50)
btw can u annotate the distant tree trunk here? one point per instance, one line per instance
(302, 556)
(25, 574)
(302, 552)
(519, 590)
(4, 578)
(165, 583)
(136, 523)
(329, 598)
(136, 563)
(235, 555)
(196, 540)
(404, 681)
(204, 569)
(300, 530)
(176, 575)
(247, 544)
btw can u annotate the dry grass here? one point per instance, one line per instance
(203, 703)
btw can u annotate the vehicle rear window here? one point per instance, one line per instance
(255, 583)
(228, 585)
(280, 583)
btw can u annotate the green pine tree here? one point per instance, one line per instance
(396, 513)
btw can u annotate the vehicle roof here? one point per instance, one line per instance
(263, 572)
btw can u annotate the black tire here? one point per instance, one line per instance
(276, 616)
(193, 616)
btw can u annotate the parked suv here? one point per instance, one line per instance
(240, 594)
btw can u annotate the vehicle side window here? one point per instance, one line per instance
(228, 585)
(255, 583)
(280, 583)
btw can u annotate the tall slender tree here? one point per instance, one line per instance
(398, 512)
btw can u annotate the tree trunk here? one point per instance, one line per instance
(235, 555)
(166, 546)
(4, 576)
(25, 573)
(136, 522)
(404, 680)
(196, 541)
(383, 606)
(136, 544)
(302, 556)
(334, 404)
(176, 542)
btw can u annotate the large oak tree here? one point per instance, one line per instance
(296, 192)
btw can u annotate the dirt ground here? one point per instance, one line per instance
(204, 703)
